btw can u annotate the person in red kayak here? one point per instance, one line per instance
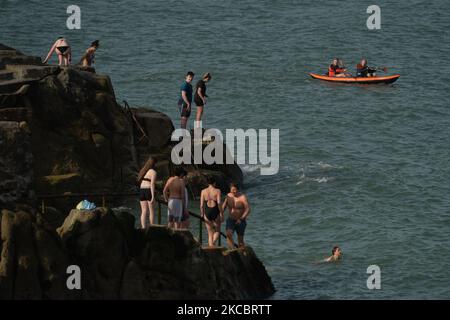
(336, 69)
(363, 70)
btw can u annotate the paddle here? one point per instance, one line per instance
(384, 69)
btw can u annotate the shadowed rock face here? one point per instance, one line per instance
(16, 161)
(65, 132)
(33, 261)
(61, 130)
(120, 262)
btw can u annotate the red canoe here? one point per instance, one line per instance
(360, 80)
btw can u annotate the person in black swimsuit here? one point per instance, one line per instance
(146, 180)
(200, 97)
(210, 208)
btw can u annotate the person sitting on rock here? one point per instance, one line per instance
(174, 194)
(63, 50)
(89, 57)
(239, 209)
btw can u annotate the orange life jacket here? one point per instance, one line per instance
(332, 72)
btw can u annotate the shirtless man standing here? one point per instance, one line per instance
(239, 209)
(174, 194)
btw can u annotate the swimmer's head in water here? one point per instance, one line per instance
(189, 76)
(336, 252)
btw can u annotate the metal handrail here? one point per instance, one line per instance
(103, 196)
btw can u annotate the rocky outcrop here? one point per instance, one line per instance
(120, 262)
(86, 235)
(16, 162)
(62, 131)
(33, 261)
(80, 140)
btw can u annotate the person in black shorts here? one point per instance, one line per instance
(200, 96)
(146, 180)
(185, 100)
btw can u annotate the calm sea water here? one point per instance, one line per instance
(364, 167)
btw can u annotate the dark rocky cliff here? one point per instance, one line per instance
(62, 128)
(62, 131)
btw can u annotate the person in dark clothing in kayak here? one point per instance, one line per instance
(335, 70)
(363, 70)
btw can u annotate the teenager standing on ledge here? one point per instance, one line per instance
(200, 96)
(185, 100)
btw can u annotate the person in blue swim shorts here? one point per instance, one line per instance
(238, 211)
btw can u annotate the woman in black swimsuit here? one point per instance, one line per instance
(210, 208)
(200, 96)
(62, 49)
(146, 180)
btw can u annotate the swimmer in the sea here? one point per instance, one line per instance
(336, 255)
(62, 49)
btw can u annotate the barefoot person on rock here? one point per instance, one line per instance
(185, 100)
(200, 97)
(63, 50)
(238, 211)
(174, 194)
(211, 209)
(146, 180)
(88, 59)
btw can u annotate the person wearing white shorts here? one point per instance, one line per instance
(175, 210)
(174, 194)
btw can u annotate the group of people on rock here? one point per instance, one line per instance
(212, 207)
(64, 52)
(337, 69)
(175, 192)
